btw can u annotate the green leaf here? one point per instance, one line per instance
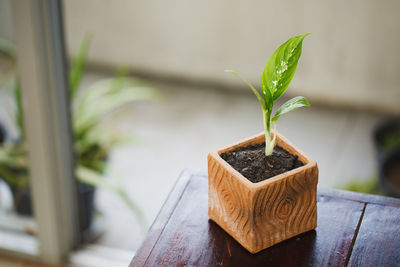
(78, 65)
(292, 104)
(7, 48)
(19, 115)
(256, 93)
(119, 79)
(13, 165)
(103, 98)
(268, 100)
(281, 67)
(93, 178)
(13, 85)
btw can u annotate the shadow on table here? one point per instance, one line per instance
(292, 252)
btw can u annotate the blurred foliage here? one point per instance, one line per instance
(89, 106)
(392, 139)
(369, 186)
(7, 48)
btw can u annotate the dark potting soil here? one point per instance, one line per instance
(252, 163)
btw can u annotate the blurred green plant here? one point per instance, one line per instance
(368, 186)
(275, 79)
(89, 107)
(8, 67)
(392, 138)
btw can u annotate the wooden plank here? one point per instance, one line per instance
(191, 239)
(378, 239)
(355, 196)
(162, 218)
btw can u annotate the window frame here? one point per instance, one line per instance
(42, 68)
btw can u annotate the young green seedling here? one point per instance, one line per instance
(275, 79)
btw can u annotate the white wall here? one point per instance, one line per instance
(352, 56)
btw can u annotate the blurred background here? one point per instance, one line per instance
(173, 55)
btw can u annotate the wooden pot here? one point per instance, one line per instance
(259, 215)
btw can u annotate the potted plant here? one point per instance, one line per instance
(389, 173)
(89, 106)
(386, 139)
(262, 190)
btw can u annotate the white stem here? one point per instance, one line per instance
(274, 139)
(269, 146)
(270, 141)
(268, 150)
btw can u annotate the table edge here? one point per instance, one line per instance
(162, 218)
(181, 183)
(360, 197)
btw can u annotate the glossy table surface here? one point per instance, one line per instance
(353, 230)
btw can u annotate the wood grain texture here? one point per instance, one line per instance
(259, 215)
(378, 239)
(189, 238)
(162, 218)
(355, 196)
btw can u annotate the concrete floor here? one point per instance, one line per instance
(179, 131)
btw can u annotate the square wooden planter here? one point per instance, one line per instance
(259, 215)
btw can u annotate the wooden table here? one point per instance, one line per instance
(353, 230)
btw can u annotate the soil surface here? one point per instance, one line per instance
(252, 163)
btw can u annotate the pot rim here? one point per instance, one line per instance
(257, 139)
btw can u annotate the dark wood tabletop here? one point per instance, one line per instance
(353, 230)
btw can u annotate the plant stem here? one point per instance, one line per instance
(269, 140)
(273, 139)
(267, 130)
(269, 146)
